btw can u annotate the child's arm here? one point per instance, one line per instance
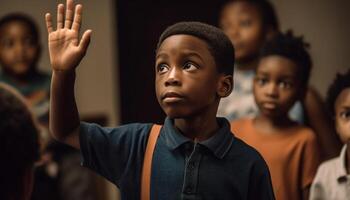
(320, 122)
(66, 52)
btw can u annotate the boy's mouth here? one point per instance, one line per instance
(171, 97)
(269, 105)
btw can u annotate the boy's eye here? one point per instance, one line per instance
(189, 66)
(345, 115)
(285, 84)
(7, 43)
(162, 68)
(245, 22)
(261, 81)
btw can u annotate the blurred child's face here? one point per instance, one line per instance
(18, 50)
(342, 115)
(276, 86)
(186, 77)
(242, 23)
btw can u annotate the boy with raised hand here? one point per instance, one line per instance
(195, 155)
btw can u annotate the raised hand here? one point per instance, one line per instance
(65, 48)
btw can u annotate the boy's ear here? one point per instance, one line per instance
(225, 86)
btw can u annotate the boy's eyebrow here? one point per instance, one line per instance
(283, 77)
(161, 55)
(184, 53)
(345, 107)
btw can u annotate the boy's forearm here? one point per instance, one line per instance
(64, 116)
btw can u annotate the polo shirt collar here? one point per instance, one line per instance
(219, 144)
(341, 174)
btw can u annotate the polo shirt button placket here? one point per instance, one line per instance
(191, 166)
(189, 189)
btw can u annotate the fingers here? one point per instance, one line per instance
(85, 40)
(69, 14)
(48, 20)
(77, 17)
(60, 13)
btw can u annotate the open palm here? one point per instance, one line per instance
(66, 51)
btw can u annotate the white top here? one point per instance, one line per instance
(331, 181)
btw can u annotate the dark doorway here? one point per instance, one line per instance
(140, 23)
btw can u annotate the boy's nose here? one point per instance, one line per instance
(272, 90)
(173, 77)
(19, 49)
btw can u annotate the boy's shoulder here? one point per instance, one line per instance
(333, 167)
(303, 133)
(131, 128)
(241, 123)
(247, 153)
(130, 133)
(329, 166)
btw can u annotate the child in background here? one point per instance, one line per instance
(249, 23)
(195, 156)
(333, 176)
(19, 146)
(19, 53)
(290, 149)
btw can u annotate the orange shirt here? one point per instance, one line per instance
(292, 156)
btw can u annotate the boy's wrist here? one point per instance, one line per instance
(64, 72)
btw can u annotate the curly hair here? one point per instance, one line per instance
(293, 48)
(21, 17)
(218, 43)
(340, 83)
(19, 145)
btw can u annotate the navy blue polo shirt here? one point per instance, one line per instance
(222, 167)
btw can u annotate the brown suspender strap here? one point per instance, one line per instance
(147, 163)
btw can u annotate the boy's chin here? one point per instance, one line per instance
(176, 113)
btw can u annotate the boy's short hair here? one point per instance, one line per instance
(340, 83)
(267, 12)
(218, 43)
(19, 145)
(20, 17)
(293, 48)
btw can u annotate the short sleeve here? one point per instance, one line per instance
(260, 186)
(310, 160)
(113, 152)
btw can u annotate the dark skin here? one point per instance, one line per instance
(184, 66)
(276, 89)
(19, 51)
(242, 23)
(342, 121)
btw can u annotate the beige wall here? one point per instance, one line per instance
(96, 83)
(325, 25)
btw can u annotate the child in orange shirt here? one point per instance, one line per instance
(290, 149)
(248, 24)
